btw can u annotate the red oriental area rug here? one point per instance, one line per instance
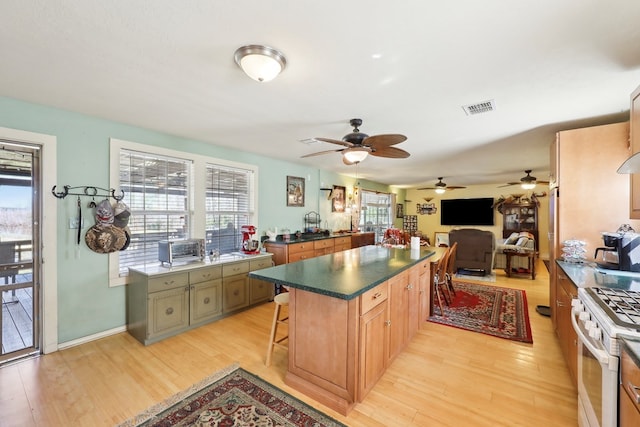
(233, 397)
(501, 312)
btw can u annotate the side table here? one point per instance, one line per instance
(531, 261)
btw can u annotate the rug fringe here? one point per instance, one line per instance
(178, 397)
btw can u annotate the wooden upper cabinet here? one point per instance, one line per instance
(634, 203)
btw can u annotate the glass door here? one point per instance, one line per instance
(19, 243)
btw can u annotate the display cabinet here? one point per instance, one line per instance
(520, 216)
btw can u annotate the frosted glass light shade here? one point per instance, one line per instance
(261, 63)
(355, 155)
(440, 190)
(528, 186)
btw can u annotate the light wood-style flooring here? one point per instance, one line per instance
(445, 377)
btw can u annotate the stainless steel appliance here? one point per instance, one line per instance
(600, 316)
(186, 250)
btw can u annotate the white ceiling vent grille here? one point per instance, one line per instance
(479, 108)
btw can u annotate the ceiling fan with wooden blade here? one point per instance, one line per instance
(357, 145)
(527, 182)
(441, 187)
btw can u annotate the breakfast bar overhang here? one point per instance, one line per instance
(350, 314)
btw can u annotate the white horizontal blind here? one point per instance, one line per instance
(228, 206)
(157, 191)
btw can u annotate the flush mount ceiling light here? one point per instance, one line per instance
(261, 63)
(355, 155)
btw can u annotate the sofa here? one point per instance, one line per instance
(475, 250)
(516, 242)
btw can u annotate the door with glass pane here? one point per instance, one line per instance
(19, 243)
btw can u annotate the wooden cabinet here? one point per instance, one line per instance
(374, 337)
(629, 390)
(363, 239)
(338, 349)
(584, 163)
(284, 253)
(161, 305)
(424, 293)
(341, 244)
(235, 286)
(399, 297)
(517, 217)
(168, 311)
(323, 247)
(634, 131)
(259, 290)
(205, 295)
(565, 292)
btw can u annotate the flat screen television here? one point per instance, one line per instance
(477, 211)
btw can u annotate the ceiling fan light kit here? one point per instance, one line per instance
(357, 145)
(261, 63)
(441, 187)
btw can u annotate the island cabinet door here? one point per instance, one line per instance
(323, 344)
(425, 291)
(374, 338)
(413, 291)
(398, 313)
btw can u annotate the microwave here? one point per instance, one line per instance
(186, 250)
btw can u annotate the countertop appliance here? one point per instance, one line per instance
(185, 250)
(601, 315)
(610, 259)
(249, 245)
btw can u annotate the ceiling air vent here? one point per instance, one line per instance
(480, 107)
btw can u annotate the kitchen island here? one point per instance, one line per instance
(350, 314)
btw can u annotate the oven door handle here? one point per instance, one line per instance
(600, 354)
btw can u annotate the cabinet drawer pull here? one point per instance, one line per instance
(377, 295)
(409, 286)
(388, 322)
(169, 311)
(634, 391)
(169, 283)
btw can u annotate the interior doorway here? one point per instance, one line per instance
(20, 187)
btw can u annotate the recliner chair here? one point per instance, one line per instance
(475, 249)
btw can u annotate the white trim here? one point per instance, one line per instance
(198, 182)
(93, 337)
(49, 266)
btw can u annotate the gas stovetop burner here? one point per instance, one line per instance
(622, 305)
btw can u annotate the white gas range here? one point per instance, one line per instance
(605, 310)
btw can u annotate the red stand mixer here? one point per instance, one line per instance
(249, 246)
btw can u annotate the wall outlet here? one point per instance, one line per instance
(73, 223)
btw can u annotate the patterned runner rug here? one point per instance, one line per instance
(232, 397)
(501, 312)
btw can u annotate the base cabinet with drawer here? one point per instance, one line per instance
(164, 304)
(629, 389)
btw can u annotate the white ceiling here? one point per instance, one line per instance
(403, 67)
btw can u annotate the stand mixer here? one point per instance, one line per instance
(249, 246)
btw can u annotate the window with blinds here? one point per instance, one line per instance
(157, 191)
(375, 212)
(228, 207)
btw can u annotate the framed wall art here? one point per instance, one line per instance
(295, 191)
(399, 210)
(338, 198)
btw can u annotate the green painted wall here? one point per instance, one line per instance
(86, 304)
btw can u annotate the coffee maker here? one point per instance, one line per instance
(249, 246)
(610, 258)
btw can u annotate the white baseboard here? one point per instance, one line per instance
(90, 338)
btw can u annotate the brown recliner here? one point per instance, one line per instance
(475, 250)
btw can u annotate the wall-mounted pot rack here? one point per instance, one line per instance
(88, 191)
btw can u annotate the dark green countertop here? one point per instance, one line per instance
(344, 274)
(588, 275)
